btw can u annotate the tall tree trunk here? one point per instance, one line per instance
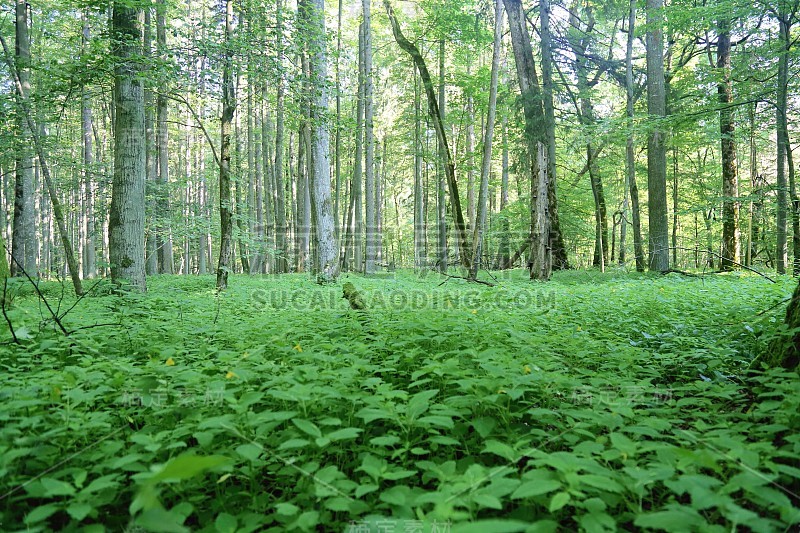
(23, 228)
(282, 264)
(438, 123)
(441, 201)
(540, 262)
(358, 231)
(151, 251)
(369, 144)
(419, 214)
(472, 212)
(163, 228)
(556, 240)
(89, 255)
(782, 141)
(127, 212)
(630, 158)
(658, 241)
(327, 265)
(730, 181)
(338, 142)
(228, 110)
(483, 193)
(504, 248)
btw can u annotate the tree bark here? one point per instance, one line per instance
(228, 110)
(730, 180)
(89, 255)
(630, 158)
(282, 264)
(151, 250)
(540, 261)
(23, 231)
(782, 141)
(327, 264)
(369, 144)
(420, 259)
(658, 241)
(127, 212)
(559, 250)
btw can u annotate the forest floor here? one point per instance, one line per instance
(593, 402)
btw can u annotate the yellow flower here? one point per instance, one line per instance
(230, 375)
(474, 311)
(170, 362)
(526, 369)
(298, 348)
(578, 329)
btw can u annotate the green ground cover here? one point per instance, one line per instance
(593, 402)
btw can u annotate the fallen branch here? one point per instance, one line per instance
(471, 280)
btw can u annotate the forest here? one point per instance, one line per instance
(399, 265)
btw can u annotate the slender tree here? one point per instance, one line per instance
(433, 109)
(228, 110)
(730, 179)
(658, 242)
(483, 192)
(369, 145)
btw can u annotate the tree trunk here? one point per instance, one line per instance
(658, 242)
(540, 262)
(151, 250)
(783, 142)
(228, 110)
(23, 235)
(730, 180)
(282, 264)
(558, 249)
(327, 265)
(438, 123)
(420, 259)
(483, 193)
(369, 144)
(89, 255)
(127, 212)
(163, 216)
(441, 201)
(784, 349)
(630, 159)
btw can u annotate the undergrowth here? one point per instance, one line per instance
(593, 402)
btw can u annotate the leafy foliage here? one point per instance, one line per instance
(595, 402)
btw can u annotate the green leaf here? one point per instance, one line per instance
(250, 451)
(307, 427)
(344, 434)
(559, 500)
(490, 526)
(79, 511)
(56, 487)
(500, 448)
(286, 509)
(529, 489)
(41, 513)
(188, 465)
(225, 523)
(670, 520)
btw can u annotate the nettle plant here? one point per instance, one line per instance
(623, 403)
